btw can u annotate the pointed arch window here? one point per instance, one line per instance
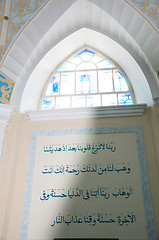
(87, 79)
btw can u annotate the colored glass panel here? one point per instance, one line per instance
(105, 81)
(63, 102)
(91, 76)
(86, 66)
(93, 100)
(86, 54)
(119, 81)
(75, 59)
(86, 51)
(67, 66)
(67, 83)
(53, 87)
(78, 101)
(48, 103)
(125, 99)
(109, 99)
(97, 58)
(105, 64)
(86, 82)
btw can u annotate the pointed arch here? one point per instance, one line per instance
(73, 41)
(87, 78)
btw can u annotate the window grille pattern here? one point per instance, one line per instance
(87, 79)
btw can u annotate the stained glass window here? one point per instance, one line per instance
(87, 79)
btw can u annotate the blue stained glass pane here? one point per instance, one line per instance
(86, 54)
(86, 51)
(48, 103)
(119, 81)
(125, 99)
(53, 87)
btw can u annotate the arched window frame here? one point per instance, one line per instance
(117, 67)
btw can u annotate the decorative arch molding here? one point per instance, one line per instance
(149, 10)
(20, 15)
(80, 38)
(21, 61)
(17, 14)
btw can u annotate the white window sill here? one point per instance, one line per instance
(93, 112)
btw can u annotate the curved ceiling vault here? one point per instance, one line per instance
(112, 27)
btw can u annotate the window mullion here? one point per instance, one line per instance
(60, 84)
(97, 82)
(112, 86)
(113, 81)
(75, 82)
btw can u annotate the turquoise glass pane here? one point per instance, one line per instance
(93, 100)
(86, 54)
(105, 81)
(67, 66)
(63, 102)
(119, 81)
(67, 83)
(48, 103)
(109, 99)
(53, 87)
(105, 64)
(125, 99)
(86, 82)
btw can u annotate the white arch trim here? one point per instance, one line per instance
(76, 40)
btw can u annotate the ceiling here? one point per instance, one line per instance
(50, 31)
